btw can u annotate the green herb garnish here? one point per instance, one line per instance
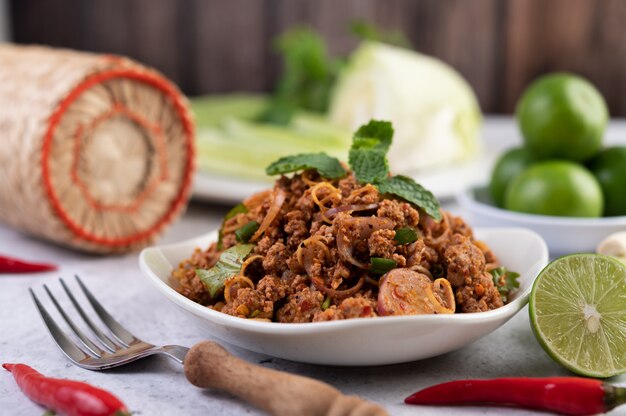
(308, 76)
(368, 154)
(405, 235)
(237, 209)
(326, 166)
(505, 281)
(229, 264)
(411, 191)
(380, 265)
(244, 233)
(368, 161)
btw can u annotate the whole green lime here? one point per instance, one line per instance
(562, 116)
(556, 187)
(510, 164)
(610, 170)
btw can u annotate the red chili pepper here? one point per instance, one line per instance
(565, 395)
(72, 398)
(12, 265)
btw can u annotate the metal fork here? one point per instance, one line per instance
(111, 351)
(207, 364)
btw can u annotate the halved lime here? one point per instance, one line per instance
(578, 313)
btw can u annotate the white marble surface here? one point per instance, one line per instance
(157, 386)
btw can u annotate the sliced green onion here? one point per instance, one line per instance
(379, 265)
(326, 303)
(405, 235)
(254, 314)
(244, 233)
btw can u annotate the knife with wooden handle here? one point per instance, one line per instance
(209, 365)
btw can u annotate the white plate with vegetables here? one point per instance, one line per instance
(434, 111)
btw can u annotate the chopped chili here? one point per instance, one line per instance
(13, 265)
(72, 398)
(565, 395)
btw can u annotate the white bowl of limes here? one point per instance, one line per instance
(564, 235)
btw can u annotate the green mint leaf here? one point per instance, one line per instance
(374, 135)
(368, 154)
(229, 264)
(368, 166)
(237, 209)
(407, 189)
(326, 166)
(505, 281)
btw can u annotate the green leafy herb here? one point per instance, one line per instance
(308, 76)
(244, 233)
(237, 209)
(380, 265)
(411, 191)
(326, 303)
(368, 31)
(326, 166)
(505, 281)
(228, 265)
(368, 154)
(405, 235)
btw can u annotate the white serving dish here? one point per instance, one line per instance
(367, 341)
(564, 235)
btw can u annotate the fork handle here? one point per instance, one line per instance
(209, 365)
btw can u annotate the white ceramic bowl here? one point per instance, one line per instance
(368, 341)
(564, 235)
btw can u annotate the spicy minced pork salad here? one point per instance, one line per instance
(333, 243)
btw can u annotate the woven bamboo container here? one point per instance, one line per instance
(97, 151)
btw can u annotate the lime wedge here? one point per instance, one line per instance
(578, 313)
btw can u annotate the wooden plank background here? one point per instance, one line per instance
(224, 45)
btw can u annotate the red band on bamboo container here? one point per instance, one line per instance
(161, 84)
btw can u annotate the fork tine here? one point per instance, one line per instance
(102, 337)
(118, 331)
(93, 348)
(71, 350)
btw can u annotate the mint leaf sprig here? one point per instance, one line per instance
(326, 166)
(368, 161)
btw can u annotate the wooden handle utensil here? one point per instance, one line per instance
(207, 364)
